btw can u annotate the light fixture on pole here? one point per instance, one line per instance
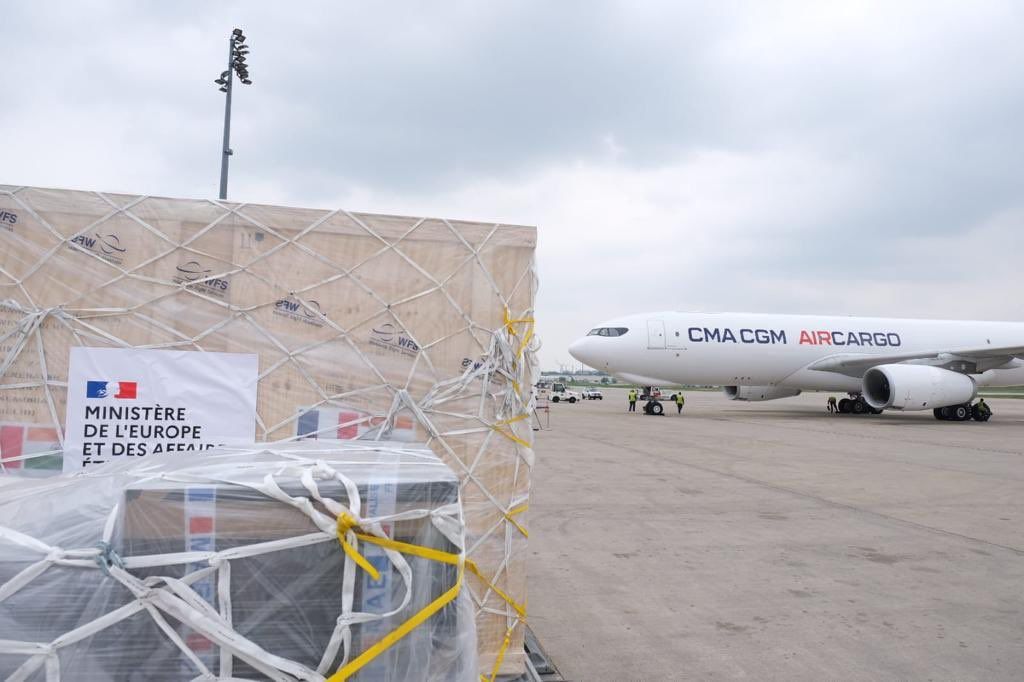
(237, 51)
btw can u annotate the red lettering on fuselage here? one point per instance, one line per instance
(806, 337)
(825, 338)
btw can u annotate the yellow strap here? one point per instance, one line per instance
(345, 523)
(511, 436)
(508, 517)
(501, 656)
(398, 633)
(508, 434)
(475, 570)
(415, 550)
(509, 320)
(510, 324)
(519, 510)
(512, 512)
(354, 554)
(513, 420)
(525, 341)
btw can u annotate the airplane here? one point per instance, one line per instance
(897, 364)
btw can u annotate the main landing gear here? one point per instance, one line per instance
(856, 405)
(961, 413)
(653, 407)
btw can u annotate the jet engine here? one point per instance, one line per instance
(916, 387)
(758, 393)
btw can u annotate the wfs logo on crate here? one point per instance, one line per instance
(393, 338)
(193, 275)
(8, 220)
(470, 362)
(123, 390)
(106, 246)
(307, 313)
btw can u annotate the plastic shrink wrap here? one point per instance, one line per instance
(286, 562)
(365, 326)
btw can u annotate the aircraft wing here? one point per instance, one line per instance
(969, 360)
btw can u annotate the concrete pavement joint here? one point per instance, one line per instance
(804, 495)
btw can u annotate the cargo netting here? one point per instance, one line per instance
(367, 327)
(283, 562)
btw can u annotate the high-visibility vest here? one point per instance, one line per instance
(680, 399)
(632, 395)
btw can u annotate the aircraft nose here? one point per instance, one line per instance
(583, 350)
(575, 347)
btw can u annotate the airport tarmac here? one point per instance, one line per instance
(775, 541)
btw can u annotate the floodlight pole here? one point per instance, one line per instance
(226, 151)
(237, 51)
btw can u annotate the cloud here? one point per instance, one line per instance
(852, 158)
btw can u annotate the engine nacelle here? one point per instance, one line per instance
(758, 393)
(916, 387)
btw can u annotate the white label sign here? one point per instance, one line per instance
(130, 403)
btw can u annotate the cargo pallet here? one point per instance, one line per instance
(539, 667)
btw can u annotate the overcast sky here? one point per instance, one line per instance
(847, 158)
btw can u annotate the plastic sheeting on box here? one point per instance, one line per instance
(235, 566)
(365, 326)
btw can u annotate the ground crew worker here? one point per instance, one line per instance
(680, 400)
(832, 407)
(983, 408)
(632, 399)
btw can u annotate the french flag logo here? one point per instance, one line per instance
(125, 390)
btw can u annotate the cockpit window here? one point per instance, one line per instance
(608, 331)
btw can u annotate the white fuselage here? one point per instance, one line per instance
(747, 349)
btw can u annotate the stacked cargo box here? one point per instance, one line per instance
(366, 326)
(229, 567)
